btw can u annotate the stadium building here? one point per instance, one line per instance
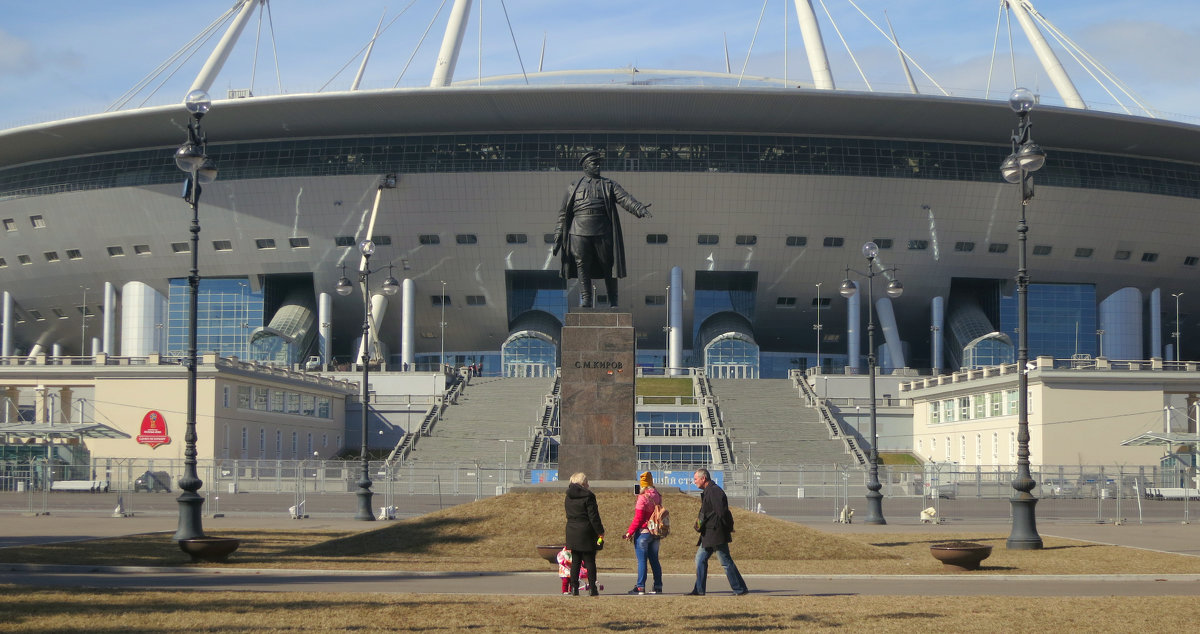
(762, 197)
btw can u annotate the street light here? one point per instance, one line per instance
(505, 480)
(191, 157)
(1100, 333)
(1178, 346)
(344, 288)
(894, 290)
(442, 324)
(817, 327)
(1026, 158)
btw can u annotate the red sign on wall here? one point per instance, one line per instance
(154, 430)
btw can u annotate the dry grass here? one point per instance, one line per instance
(500, 533)
(27, 609)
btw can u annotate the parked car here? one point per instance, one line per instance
(153, 481)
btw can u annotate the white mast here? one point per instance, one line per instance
(367, 56)
(814, 46)
(443, 70)
(216, 61)
(1058, 76)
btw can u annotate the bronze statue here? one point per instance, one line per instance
(589, 230)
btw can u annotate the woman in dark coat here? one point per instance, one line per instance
(585, 531)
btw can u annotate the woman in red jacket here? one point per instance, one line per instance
(645, 544)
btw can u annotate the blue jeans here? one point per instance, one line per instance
(731, 570)
(646, 546)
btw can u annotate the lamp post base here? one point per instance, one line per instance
(874, 508)
(1024, 534)
(190, 506)
(364, 505)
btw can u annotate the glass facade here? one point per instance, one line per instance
(675, 454)
(673, 423)
(535, 290)
(1062, 319)
(228, 311)
(646, 152)
(731, 357)
(529, 355)
(723, 291)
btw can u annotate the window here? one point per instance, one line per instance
(58, 312)
(1121, 255)
(25, 260)
(1042, 249)
(934, 413)
(429, 239)
(180, 247)
(225, 396)
(980, 403)
(785, 302)
(996, 403)
(547, 238)
(295, 445)
(440, 300)
(708, 238)
(74, 254)
(382, 241)
(278, 444)
(262, 442)
(1083, 252)
(141, 249)
(918, 245)
(466, 238)
(51, 256)
(656, 238)
(1149, 257)
(821, 303)
(264, 243)
(746, 240)
(343, 241)
(516, 238)
(476, 300)
(998, 247)
(10, 224)
(656, 300)
(37, 315)
(222, 245)
(1190, 260)
(3, 263)
(834, 242)
(964, 408)
(245, 439)
(883, 243)
(964, 247)
(116, 252)
(38, 222)
(298, 243)
(797, 241)
(84, 310)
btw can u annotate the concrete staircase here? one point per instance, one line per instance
(489, 410)
(770, 414)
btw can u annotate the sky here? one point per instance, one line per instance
(74, 57)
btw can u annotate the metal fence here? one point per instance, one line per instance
(799, 492)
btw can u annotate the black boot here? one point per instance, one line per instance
(585, 293)
(610, 285)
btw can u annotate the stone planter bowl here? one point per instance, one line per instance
(549, 552)
(209, 548)
(960, 555)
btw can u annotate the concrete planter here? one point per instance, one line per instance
(960, 556)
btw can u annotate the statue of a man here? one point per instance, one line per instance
(589, 230)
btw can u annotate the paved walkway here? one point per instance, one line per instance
(16, 530)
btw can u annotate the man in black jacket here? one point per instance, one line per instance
(715, 525)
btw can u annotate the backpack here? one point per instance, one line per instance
(659, 523)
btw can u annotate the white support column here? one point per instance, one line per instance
(1054, 69)
(6, 337)
(56, 350)
(216, 61)
(675, 321)
(937, 329)
(891, 333)
(853, 319)
(447, 59)
(325, 328)
(143, 320)
(814, 46)
(110, 314)
(97, 346)
(407, 322)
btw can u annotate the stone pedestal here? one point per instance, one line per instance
(597, 396)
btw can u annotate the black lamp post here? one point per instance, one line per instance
(894, 290)
(344, 288)
(1026, 158)
(201, 170)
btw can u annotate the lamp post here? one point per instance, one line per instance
(1026, 158)
(201, 170)
(344, 288)
(817, 327)
(894, 290)
(1100, 333)
(442, 325)
(504, 482)
(1178, 346)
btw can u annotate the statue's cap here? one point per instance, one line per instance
(596, 153)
